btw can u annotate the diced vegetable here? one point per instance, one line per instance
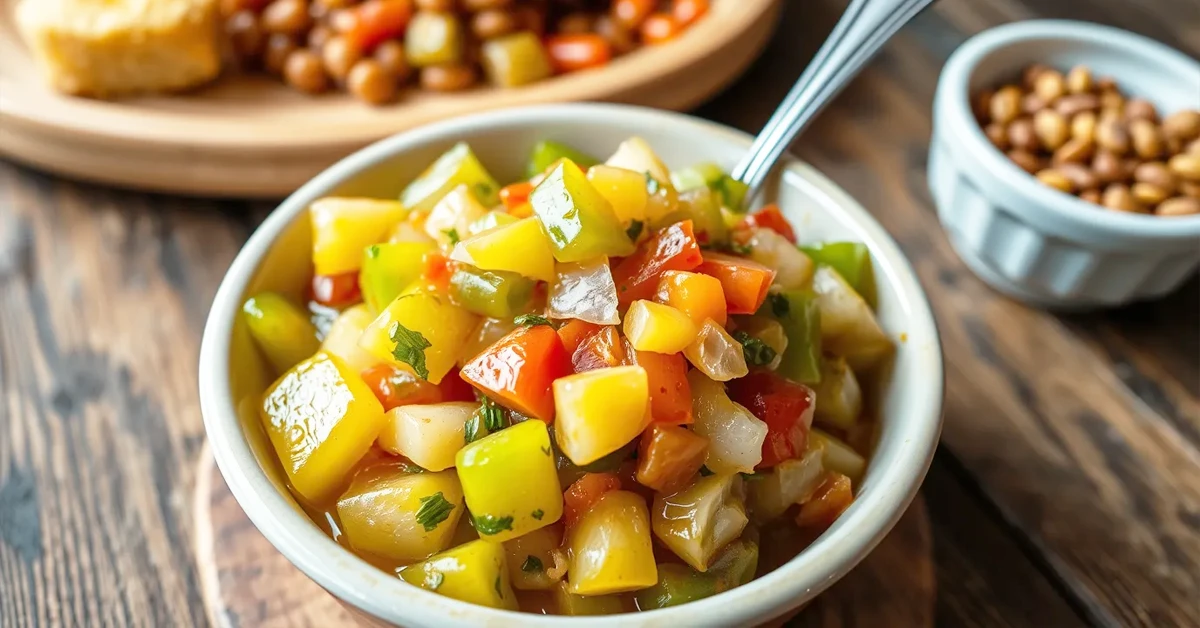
(801, 318)
(669, 457)
(585, 291)
(494, 293)
(839, 457)
(851, 260)
(790, 482)
(735, 435)
(321, 419)
(435, 275)
(454, 388)
(343, 227)
(768, 331)
(702, 207)
(490, 220)
(599, 411)
(529, 557)
(848, 327)
(410, 230)
(659, 328)
(519, 247)
(515, 59)
(389, 268)
(394, 387)
(610, 549)
(734, 566)
(515, 194)
(375, 21)
(670, 393)
(793, 269)
(716, 354)
(433, 38)
(699, 296)
(510, 482)
(457, 166)
(770, 218)
(840, 395)
(624, 189)
(785, 406)
(831, 499)
(420, 331)
(567, 603)
(485, 334)
(475, 572)
(671, 248)
(583, 493)
(698, 521)
(576, 218)
(282, 331)
(429, 435)
(745, 282)
(578, 51)
(451, 217)
(708, 175)
(403, 516)
(548, 152)
(336, 290)
(342, 338)
(517, 371)
(635, 154)
(575, 332)
(598, 350)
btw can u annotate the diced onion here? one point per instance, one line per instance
(716, 354)
(848, 327)
(793, 269)
(586, 291)
(735, 435)
(790, 482)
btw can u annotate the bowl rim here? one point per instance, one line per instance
(953, 100)
(861, 528)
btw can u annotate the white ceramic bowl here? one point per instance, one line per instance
(1033, 242)
(277, 258)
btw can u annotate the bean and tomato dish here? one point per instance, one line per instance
(602, 389)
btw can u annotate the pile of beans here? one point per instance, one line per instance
(373, 48)
(1081, 135)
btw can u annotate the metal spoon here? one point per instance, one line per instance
(862, 31)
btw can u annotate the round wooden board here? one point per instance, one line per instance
(248, 136)
(246, 582)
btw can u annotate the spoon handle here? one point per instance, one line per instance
(864, 28)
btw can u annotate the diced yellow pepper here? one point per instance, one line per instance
(635, 154)
(515, 59)
(529, 558)
(624, 189)
(443, 325)
(567, 603)
(659, 328)
(474, 572)
(429, 435)
(343, 227)
(610, 548)
(489, 221)
(342, 338)
(510, 481)
(433, 38)
(455, 167)
(399, 515)
(451, 217)
(321, 419)
(282, 331)
(520, 247)
(598, 412)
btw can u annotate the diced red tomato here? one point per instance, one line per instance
(832, 497)
(454, 388)
(394, 387)
(687, 11)
(572, 52)
(631, 13)
(585, 492)
(575, 332)
(744, 281)
(518, 369)
(785, 406)
(375, 21)
(515, 194)
(670, 393)
(659, 28)
(769, 217)
(671, 248)
(669, 456)
(336, 290)
(437, 271)
(599, 350)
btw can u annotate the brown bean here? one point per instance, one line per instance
(370, 82)
(1079, 80)
(483, 5)
(1185, 166)
(1118, 197)
(1056, 179)
(1140, 109)
(1006, 104)
(1080, 176)
(1189, 189)
(275, 55)
(1148, 194)
(245, 35)
(1182, 125)
(1074, 151)
(1051, 129)
(1073, 104)
(1146, 139)
(318, 36)
(1025, 160)
(289, 17)
(339, 55)
(437, 6)
(1083, 125)
(1022, 135)
(997, 135)
(1091, 196)
(447, 78)
(1029, 76)
(980, 104)
(1112, 101)
(1050, 85)
(1156, 173)
(1112, 136)
(576, 23)
(333, 4)
(390, 55)
(1192, 147)
(1107, 84)
(228, 7)
(1032, 103)
(1108, 167)
(622, 41)
(1179, 206)
(492, 23)
(304, 71)
(531, 19)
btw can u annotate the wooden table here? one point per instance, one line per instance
(1066, 490)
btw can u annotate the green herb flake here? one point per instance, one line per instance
(705, 471)
(452, 235)
(410, 348)
(408, 467)
(373, 251)
(434, 580)
(492, 415)
(471, 429)
(532, 564)
(741, 249)
(779, 305)
(753, 477)
(757, 352)
(652, 184)
(531, 320)
(433, 510)
(546, 450)
(488, 525)
(538, 514)
(635, 230)
(483, 191)
(498, 590)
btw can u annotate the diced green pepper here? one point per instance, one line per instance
(797, 311)
(852, 260)
(388, 269)
(678, 584)
(577, 219)
(282, 330)
(570, 604)
(492, 293)
(455, 167)
(433, 38)
(731, 191)
(546, 152)
(516, 59)
(701, 207)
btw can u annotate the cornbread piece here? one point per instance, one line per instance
(112, 47)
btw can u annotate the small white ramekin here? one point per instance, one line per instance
(278, 257)
(1030, 241)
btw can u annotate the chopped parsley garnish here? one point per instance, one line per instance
(408, 467)
(410, 348)
(652, 184)
(780, 306)
(373, 251)
(491, 414)
(532, 564)
(452, 235)
(483, 191)
(705, 471)
(635, 230)
(546, 450)
(488, 525)
(757, 352)
(434, 579)
(471, 429)
(740, 249)
(498, 591)
(531, 320)
(538, 514)
(433, 510)
(752, 477)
